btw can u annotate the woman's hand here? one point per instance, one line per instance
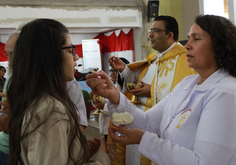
(101, 84)
(133, 136)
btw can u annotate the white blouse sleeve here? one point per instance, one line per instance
(142, 119)
(215, 137)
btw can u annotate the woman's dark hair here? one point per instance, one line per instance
(120, 80)
(171, 25)
(223, 36)
(38, 71)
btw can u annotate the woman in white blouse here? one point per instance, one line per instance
(196, 121)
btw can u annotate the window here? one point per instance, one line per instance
(226, 13)
(215, 7)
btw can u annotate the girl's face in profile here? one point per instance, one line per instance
(69, 59)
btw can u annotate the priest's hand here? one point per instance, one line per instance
(116, 63)
(144, 91)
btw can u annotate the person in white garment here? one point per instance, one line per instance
(102, 105)
(76, 96)
(158, 73)
(119, 83)
(196, 121)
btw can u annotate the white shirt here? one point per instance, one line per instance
(104, 118)
(76, 96)
(197, 128)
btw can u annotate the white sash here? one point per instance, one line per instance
(163, 80)
(164, 77)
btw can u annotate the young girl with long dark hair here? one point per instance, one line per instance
(44, 125)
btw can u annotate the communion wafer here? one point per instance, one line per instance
(91, 70)
(118, 118)
(119, 121)
(122, 118)
(128, 118)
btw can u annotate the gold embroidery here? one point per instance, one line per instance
(165, 67)
(184, 115)
(159, 89)
(181, 120)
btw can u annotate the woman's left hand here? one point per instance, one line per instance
(133, 136)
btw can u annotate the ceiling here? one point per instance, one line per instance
(74, 5)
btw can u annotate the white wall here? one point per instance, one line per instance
(232, 10)
(83, 23)
(74, 18)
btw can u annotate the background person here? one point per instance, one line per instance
(158, 72)
(44, 119)
(120, 80)
(76, 96)
(4, 117)
(102, 105)
(196, 121)
(2, 78)
(73, 88)
(119, 158)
